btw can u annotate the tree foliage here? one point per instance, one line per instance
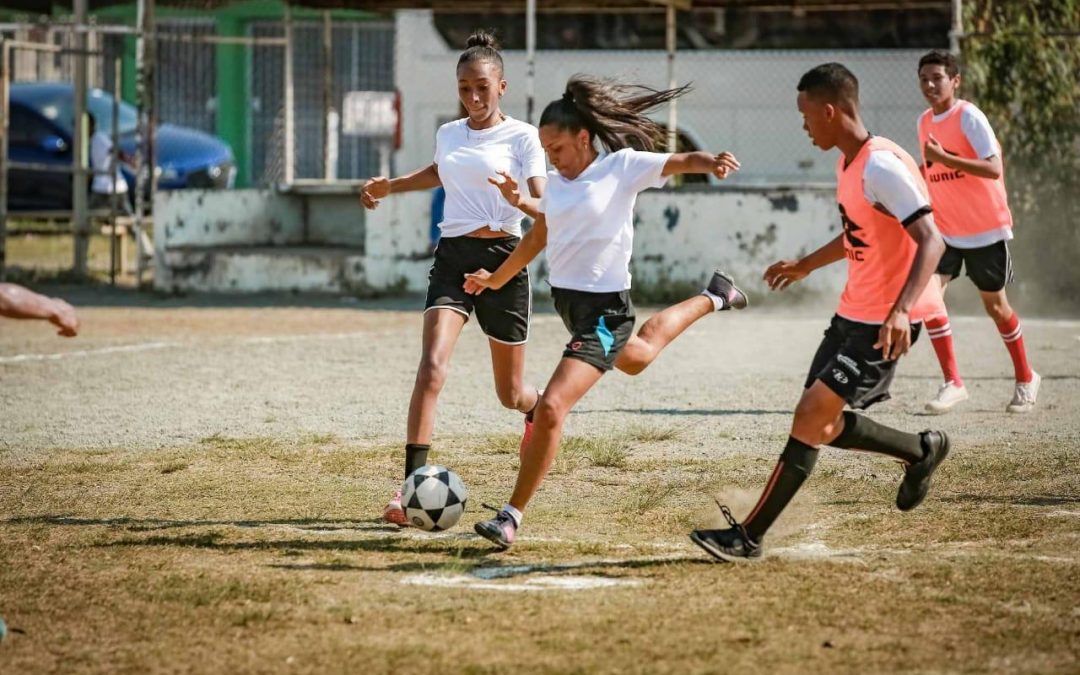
(1022, 68)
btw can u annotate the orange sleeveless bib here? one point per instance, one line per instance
(879, 249)
(970, 212)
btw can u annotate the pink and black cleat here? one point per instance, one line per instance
(393, 513)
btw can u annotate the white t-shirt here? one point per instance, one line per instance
(976, 129)
(888, 182)
(468, 157)
(100, 147)
(590, 220)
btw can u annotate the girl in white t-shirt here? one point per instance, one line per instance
(479, 229)
(585, 220)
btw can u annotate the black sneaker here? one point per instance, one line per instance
(730, 545)
(916, 481)
(722, 285)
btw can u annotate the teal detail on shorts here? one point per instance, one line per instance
(607, 340)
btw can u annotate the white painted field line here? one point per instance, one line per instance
(120, 349)
(278, 339)
(534, 584)
(151, 346)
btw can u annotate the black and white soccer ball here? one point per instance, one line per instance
(433, 498)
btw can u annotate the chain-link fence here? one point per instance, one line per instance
(225, 109)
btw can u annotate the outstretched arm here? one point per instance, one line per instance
(17, 302)
(782, 274)
(721, 166)
(380, 186)
(528, 248)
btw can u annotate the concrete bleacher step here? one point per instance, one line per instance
(332, 269)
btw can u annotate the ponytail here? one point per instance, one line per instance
(612, 112)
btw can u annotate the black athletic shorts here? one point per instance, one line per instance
(847, 362)
(503, 314)
(600, 324)
(990, 267)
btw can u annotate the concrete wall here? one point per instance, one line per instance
(255, 240)
(680, 236)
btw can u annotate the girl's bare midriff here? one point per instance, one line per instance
(486, 232)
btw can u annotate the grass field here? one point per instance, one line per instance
(195, 489)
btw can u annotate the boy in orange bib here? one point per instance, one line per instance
(963, 168)
(892, 248)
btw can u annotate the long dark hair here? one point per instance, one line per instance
(611, 111)
(481, 46)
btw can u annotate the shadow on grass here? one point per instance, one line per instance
(388, 544)
(1013, 500)
(489, 572)
(683, 411)
(153, 524)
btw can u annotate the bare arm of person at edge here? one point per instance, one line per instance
(379, 187)
(17, 302)
(894, 339)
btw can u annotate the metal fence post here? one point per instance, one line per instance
(144, 172)
(79, 184)
(4, 127)
(290, 130)
(673, 109)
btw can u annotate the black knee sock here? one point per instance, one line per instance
(415, 456)
(862, 433)
(796, 463)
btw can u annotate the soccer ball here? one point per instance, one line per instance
(433, 498)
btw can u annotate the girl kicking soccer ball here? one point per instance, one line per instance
(585, 220)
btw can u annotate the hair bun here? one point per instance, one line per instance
(482, 38)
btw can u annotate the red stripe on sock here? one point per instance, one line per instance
(768, 490)
(1014, 342)
(940, 333)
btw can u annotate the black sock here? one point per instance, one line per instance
(862, 433)
(415, 456)
(796, 463)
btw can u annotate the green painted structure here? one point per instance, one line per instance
(231, 61)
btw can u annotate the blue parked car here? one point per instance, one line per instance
(41, 132)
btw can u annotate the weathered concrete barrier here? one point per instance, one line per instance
(315, 238)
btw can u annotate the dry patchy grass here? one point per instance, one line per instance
(264, 555)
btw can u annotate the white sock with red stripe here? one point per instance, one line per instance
(940, 332)
(1013, 337)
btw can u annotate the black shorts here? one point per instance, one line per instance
(990, 267)
(600, 324)
(503, 314)
(848, 363)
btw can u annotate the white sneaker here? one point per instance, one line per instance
(948, 395)
(1024, 396)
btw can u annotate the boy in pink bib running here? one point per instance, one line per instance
(964, 171)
